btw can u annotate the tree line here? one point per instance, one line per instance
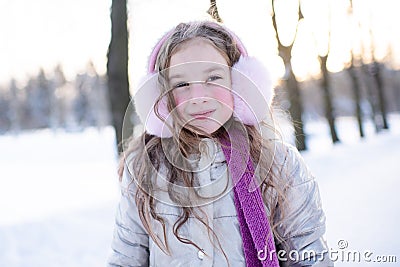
(53, 102)
(366, 88)
(371, 96)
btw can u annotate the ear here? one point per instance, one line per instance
(145, 99)
(252, 90)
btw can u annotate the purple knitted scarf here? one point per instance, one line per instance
(254, 225)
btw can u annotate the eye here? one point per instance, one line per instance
(181, 85)
(213, 78)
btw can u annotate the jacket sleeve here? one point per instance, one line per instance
(303, 223)
(130, 244)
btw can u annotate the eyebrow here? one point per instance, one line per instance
(214, 68)
(175, 76)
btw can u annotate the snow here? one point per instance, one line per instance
(359, 182)
(59, 190)
(58, 193)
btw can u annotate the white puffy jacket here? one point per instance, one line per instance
(302, 230)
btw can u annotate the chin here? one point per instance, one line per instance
(209, 129)
(212, 127)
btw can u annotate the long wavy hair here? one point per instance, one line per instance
(152, 152)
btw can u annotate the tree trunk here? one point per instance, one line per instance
(296, 106)
(292, 87)
(117, 67)
(357, 97)
(328, 99)
(369, 83)
(377, 74)
(356, 86)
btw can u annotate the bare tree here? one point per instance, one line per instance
(326, 87)
(376, 86)
(371, 91)
(213, 11)
(376, 72)
(292, 86)
(356, 86)
(15, 111)
(117, 67)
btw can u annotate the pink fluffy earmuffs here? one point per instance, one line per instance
(251, 89)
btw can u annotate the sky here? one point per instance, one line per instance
(44, 33)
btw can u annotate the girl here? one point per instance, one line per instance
(209, 183)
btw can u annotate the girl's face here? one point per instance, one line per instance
(200, 80)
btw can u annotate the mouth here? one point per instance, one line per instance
(203, 114)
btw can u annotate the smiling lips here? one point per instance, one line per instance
(203, 114)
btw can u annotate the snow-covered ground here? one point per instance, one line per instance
(359, 183)
(58, 192)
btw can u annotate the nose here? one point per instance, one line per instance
(198, 93)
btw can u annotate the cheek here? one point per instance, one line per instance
(179, 101)
(225, 97)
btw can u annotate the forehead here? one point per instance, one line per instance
(197, 49)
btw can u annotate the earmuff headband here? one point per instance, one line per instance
(153, 57)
